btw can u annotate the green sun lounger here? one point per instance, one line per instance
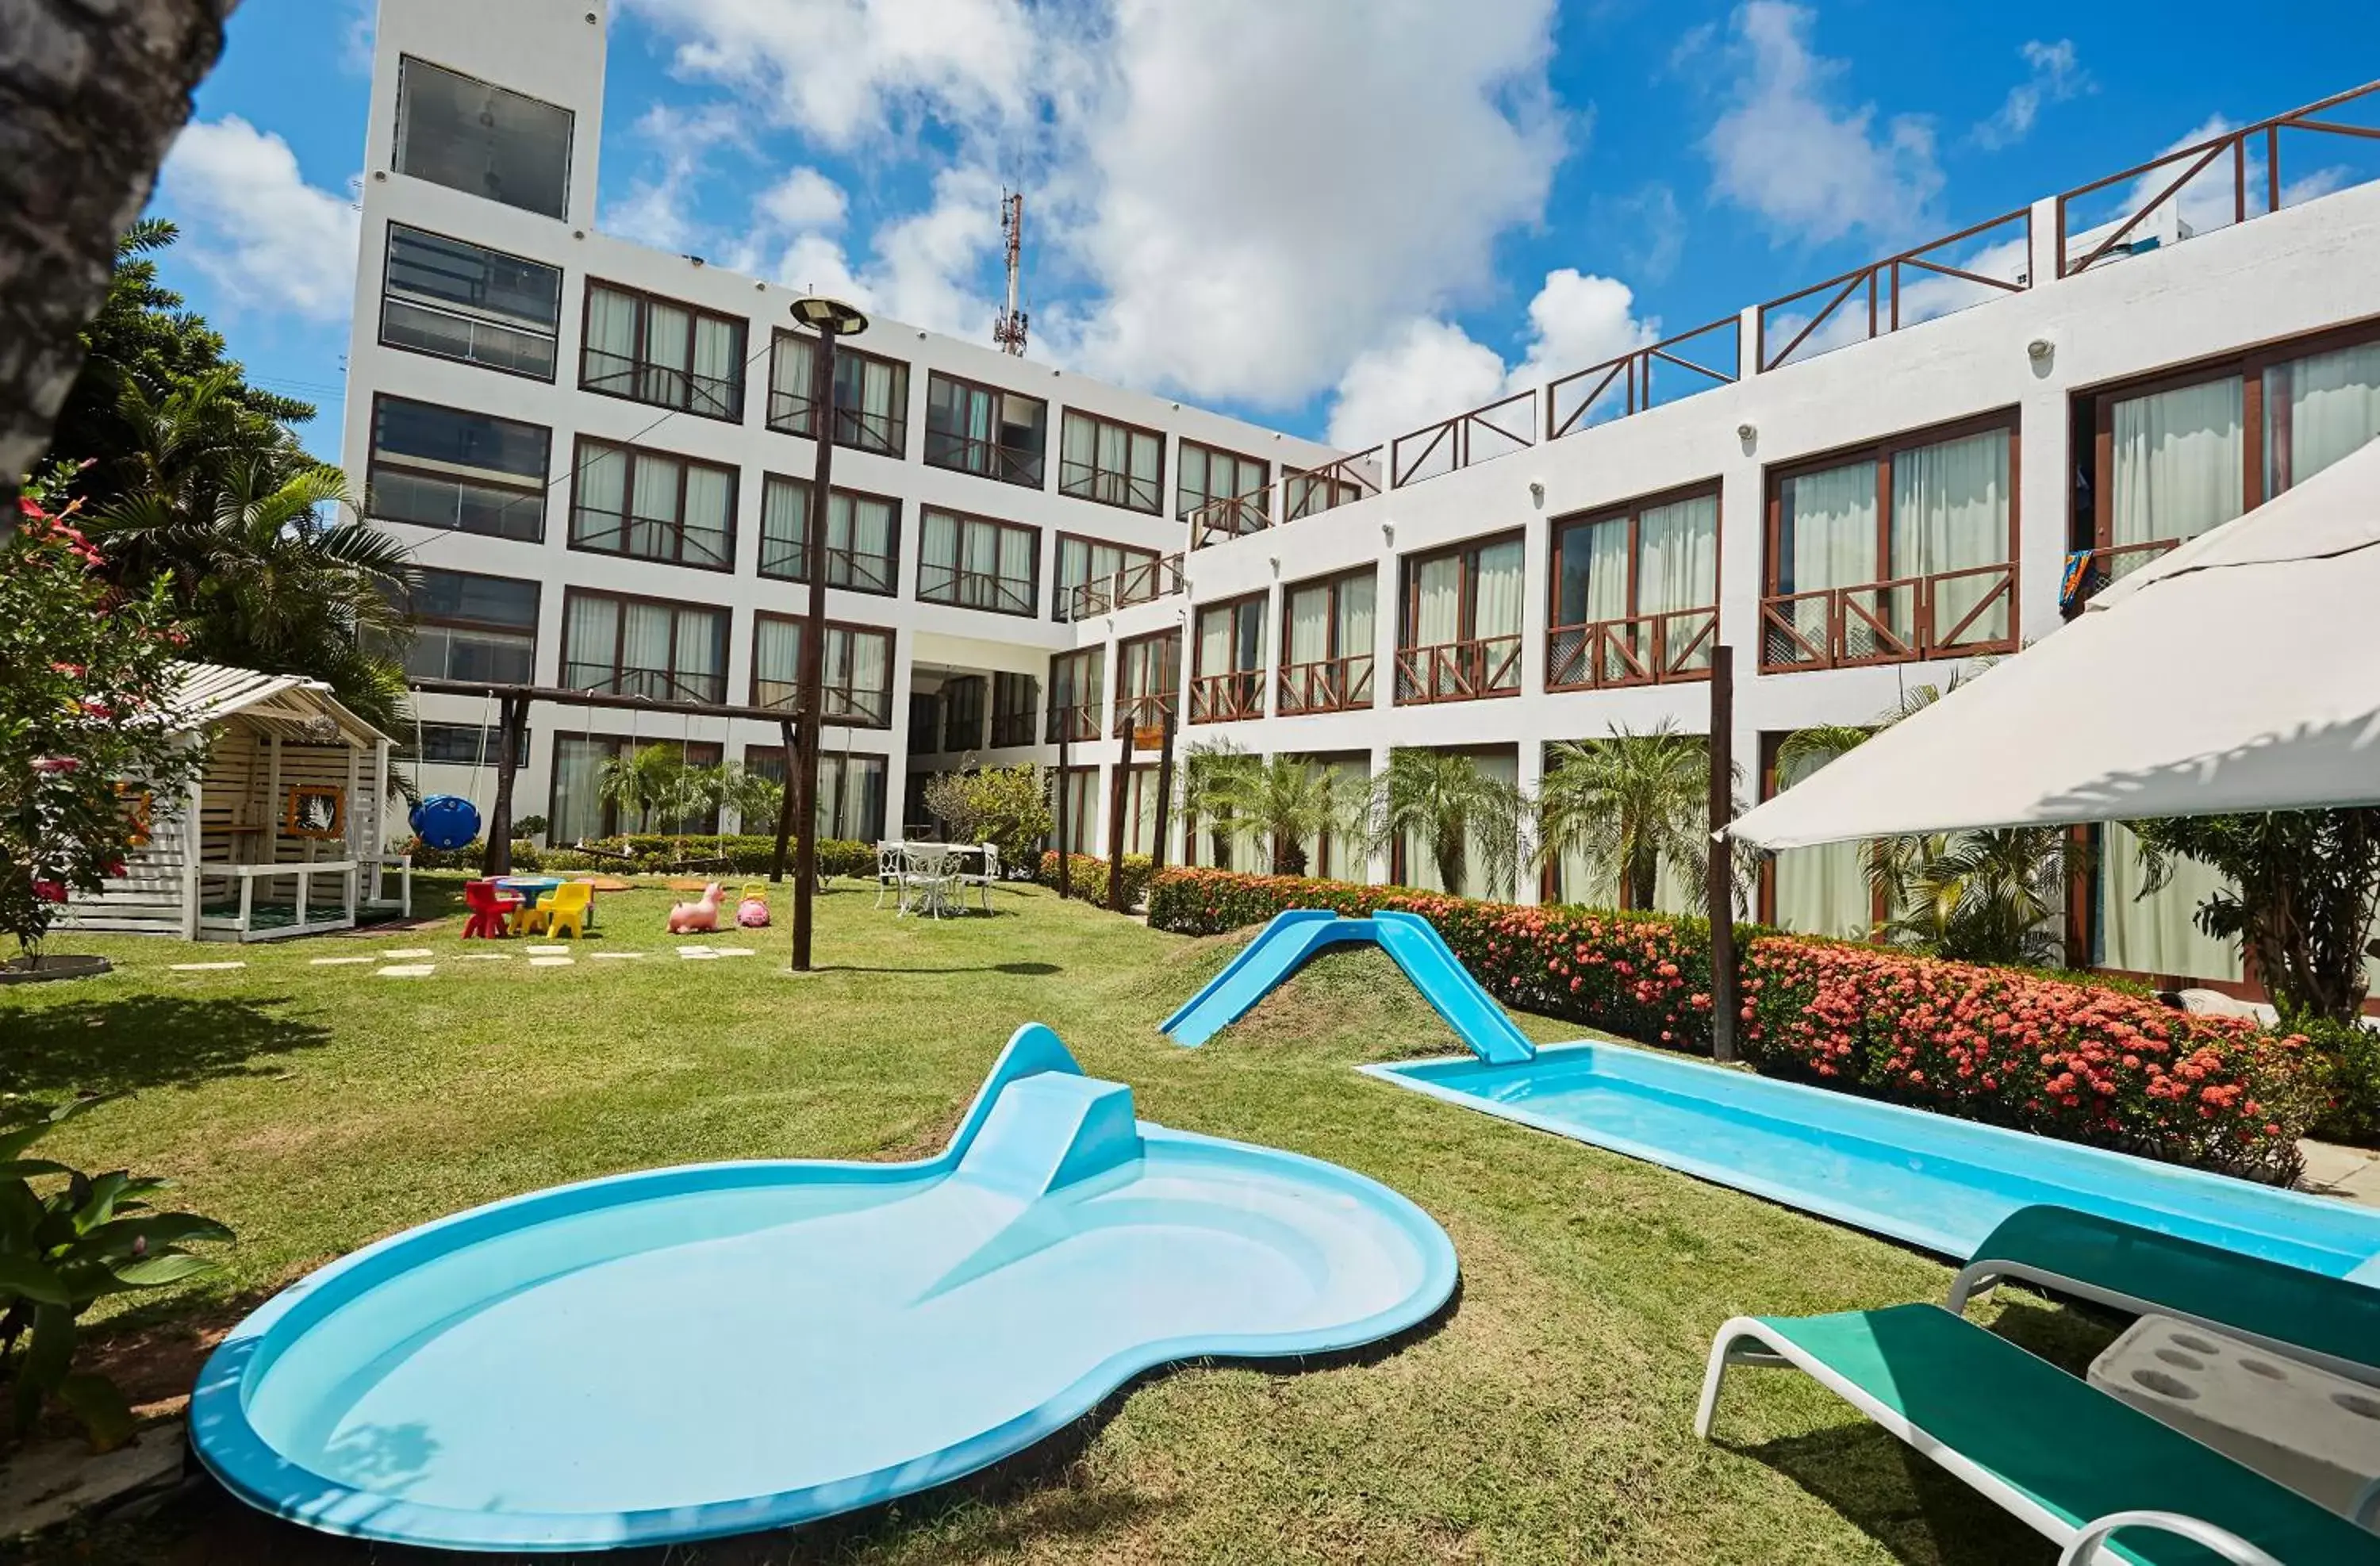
(2326, 1322)
(2093, 1475)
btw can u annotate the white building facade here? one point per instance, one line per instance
(600, 454)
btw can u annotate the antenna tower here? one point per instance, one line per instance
(1009, 330)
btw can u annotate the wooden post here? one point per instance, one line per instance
(1065, 842)
(784, 804)
(810, 670)
(1115, 821)
(496, 856)
(1722, 880)
(1164, 797)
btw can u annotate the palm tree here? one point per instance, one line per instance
(655, 783)
(1443, 798)
(1211, 784)
(1284, 802)
(1627, 803)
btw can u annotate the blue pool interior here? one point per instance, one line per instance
(1925, 1179)
(719, 1348)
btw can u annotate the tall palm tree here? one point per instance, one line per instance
(1447, 801)
(1212, 780)
(1283, 802)
(1628, 803)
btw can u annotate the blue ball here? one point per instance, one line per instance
(444, 821)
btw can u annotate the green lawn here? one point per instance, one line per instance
(1547, 1418)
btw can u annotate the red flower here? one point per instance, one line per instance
(46, 889)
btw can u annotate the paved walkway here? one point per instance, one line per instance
(2333, 1171)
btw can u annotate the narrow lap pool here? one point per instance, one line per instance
(1925, 1179)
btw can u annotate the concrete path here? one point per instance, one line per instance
(2333, 1171)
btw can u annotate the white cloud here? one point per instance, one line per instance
(659, 207)
(805, 199)
(355, 40)
(254, 227)
(2207, 202)
(1814, 170)
(2054, 75)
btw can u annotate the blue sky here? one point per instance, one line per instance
(1339, 218)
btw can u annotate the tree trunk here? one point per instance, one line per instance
(90, 93)
(1643, 879)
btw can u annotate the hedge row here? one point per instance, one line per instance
(2002, 1046)
(652, 854)
(1087, 877)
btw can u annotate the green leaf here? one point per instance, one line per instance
(98, 1404)
(25, 1168)
(98, 1204)
(156, 1272)
(111, 1241)
(27, 1278)
(20, 1214)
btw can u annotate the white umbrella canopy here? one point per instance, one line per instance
(2240, 672)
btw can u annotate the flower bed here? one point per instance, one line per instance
(1087, 877)
(2003, 1046)
(747, 854)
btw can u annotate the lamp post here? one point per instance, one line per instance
(832, 319)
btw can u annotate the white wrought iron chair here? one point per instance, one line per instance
(984, 876)
(888, 871)
(926, 880)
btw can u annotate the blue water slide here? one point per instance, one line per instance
(1283, 946)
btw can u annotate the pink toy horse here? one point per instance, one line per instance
(696, 918)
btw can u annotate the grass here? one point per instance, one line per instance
(1547, 1418)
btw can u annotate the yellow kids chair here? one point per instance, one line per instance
(566, 905)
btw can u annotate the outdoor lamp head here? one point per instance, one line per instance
(829, 315)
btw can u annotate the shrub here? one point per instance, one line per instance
(2006, 1047)
(1087, 878)
(2349, 1054)
(652, 854)
(1006, 807)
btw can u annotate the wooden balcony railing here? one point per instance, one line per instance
(973, 589)
(1953, 614)
(1143, 581)
(988, 459)
(843, 703)
(1149, 710)
(2089, 570)
(791, 413)
(1459, 670)
(1075, 723)
(1646, 649)
(1326, 685)
(1233, 516)
(2253, 193)
(1498, 430)
(1584, 396)
(652, 684)
(1227, 698)
(1893, 300)
(866, 570)
(1011, 728)
(1306, 491)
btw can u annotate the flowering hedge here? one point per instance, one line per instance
(2003, 1046)
(1087, 877)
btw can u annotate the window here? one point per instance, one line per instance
(1328, 643)
(1228, 673)
(1149, 671)
(863, 537)
(1112, 463)
(1111, 572)
(2318, 408)
(871, 396)
(1075, 696)
(1076, 808)
(1460, 636)
(1901, 551)
(850, 791)
(976, 563)
(1210, 474)
(856, 676)
(651, 505)
(1305, 494)
(644, 647)
(654, 350)
(977, 429)
(575, 808)
(464, 301)
(472, 627)
(464, 744)
(963, 715)
(442, 467)
(1635, 594)
(470, 136)
(1016, 702)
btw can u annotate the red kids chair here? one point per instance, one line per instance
(491, 910)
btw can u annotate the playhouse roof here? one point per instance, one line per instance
(292, 706)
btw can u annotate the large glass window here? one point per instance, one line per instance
(855, 674)
(444, 467)
(1210, 474)
(1822, 891)
(976, 563)
(863, 537)
(1635, 594)
(644, 647)
(871, 396)
(470, 136)
(1460, 634)
(1148, 672)
(979, 428)
(962, 703)
(467, 626)
(464, 301)
(1328, 645)
(850, 792)
(462, 745)
(626, 500)
(2317, 409)
(1116, 569)
(654, 350)
(1077, 694)
(1016, 702)
(1112, 463)
(575, 808)
(1227, 681)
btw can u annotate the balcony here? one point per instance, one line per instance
(652, 684)
(2088, 571)
(987, 459)
(1636, 381)
(1498, 430)
(1645, 649)
(886, 435)
(1143, 581)
(1326, 685)
(1953, 614)
(1150, 711)
(844, 704)
(1900, 290)
(1232, 517)
(973, 589)
(1305, 492)
(863, 571)
(1459, 670)
(1074, 723)
(1227, 698)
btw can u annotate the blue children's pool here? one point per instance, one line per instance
(727, 1347)
(1925, 1179)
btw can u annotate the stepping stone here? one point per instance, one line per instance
(339, 962)
(731, 950)
(547, 951)
(614, 956)
(406, 970)
(203, 968)
(549, 962)
(409, 951)
(697, 954)
(487, 956)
